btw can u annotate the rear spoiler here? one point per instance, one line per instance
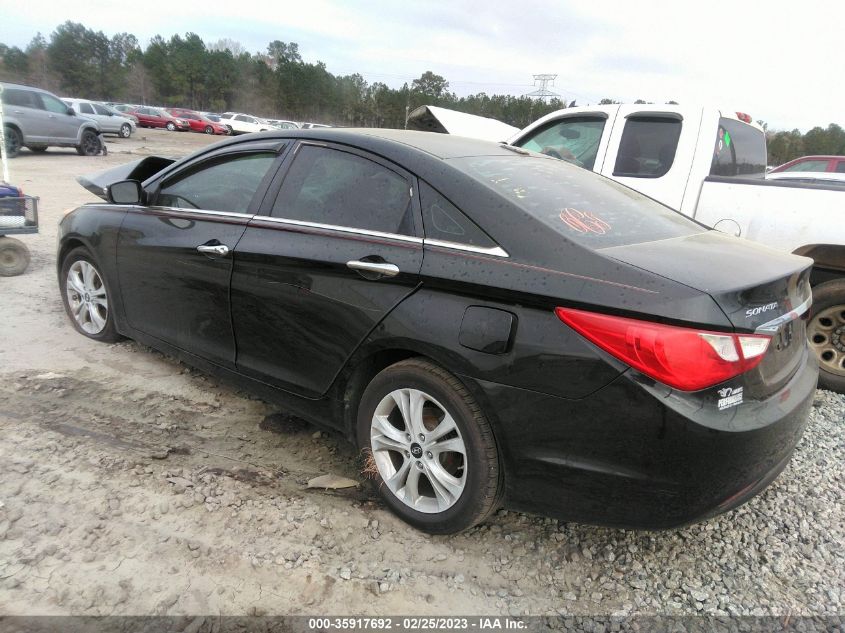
(445, 121)
(139, 170)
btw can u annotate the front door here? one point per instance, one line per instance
(175, 256)
(337, 251)
(63, 127)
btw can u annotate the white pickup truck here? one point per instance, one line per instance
(710, 165)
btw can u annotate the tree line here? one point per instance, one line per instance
(219, 76)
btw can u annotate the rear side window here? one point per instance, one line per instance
(86, 108)
(577, 204)
(840, 167)
(444, 221)
(328, 186)
(648, 146)
(575, 139)
(101, 109)
(228, 184)
(740, 150)
(809, 165)
(21, 98)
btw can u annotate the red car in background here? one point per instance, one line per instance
(814, 163)
(198, 122)
(156, 117)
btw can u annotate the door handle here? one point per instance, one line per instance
(388, 270)
(221, 250)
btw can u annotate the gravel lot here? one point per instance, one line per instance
(133, 485)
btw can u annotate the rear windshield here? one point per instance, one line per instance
(579, 205)
(740, 150)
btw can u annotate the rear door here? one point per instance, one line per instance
(339, 247)
(175, 256)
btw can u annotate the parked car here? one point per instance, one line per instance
(159, 117)
(132, 117)
(198, 122)
(813, 163)
(38, 119)
(282, 124)
(311, 126)
(124, 108)
(809, 177)
(490, 325)
(217, 119)
(109, 122)
(244, 123)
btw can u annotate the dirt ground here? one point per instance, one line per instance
(130, 484)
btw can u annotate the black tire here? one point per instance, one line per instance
(38, 149)
(828, 298)
(90, 144)
(14, 257)
(125, 130)
(171, 126)
(14, 141)
(481, 494)
(109, 332)
(209, 129)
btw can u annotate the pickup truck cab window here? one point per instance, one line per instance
(648, 146)
(740, 150)
(575, 139)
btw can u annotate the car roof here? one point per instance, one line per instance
(23, 87)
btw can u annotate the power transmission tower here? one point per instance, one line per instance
(544, 81)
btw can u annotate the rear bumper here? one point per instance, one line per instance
(636, 455)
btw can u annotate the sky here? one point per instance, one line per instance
(776, 60)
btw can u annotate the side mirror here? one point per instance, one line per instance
(125, 192)
(71, 111)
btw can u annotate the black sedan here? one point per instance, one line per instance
(492, 327)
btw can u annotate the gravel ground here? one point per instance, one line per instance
(133, 485)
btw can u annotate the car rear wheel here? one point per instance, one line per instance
(171, 126)
(429, 447)
(14, 257)
(209, 129)
(14, 141)
(125, 130)
(826, 332)
(89, 145)
(86, 298)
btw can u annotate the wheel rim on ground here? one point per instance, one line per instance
(418, 450)
(86, 296)
(827, 337)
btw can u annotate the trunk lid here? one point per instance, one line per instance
(760, 290)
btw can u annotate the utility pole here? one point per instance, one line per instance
(544, 80)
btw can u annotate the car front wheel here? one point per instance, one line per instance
(429, 447)
(86, 298)
(125, 130)
(171, 126)
(209, 129)
(90, 144)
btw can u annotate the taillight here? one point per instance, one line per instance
(683, 358)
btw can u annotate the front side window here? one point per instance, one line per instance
(648, 145)
(808, 165)
(333, 187)
(227, 184)
(575, 139)
(740, 150)
(51, 104)
(444, 221)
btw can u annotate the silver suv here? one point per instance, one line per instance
(36, 119)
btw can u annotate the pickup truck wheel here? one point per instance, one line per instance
(14, 257)
(89, 145)
(14, 141)
(826, 332)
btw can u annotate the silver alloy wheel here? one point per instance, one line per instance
(826, 332)
(86, 296)
(125, 130)
(418, 450)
